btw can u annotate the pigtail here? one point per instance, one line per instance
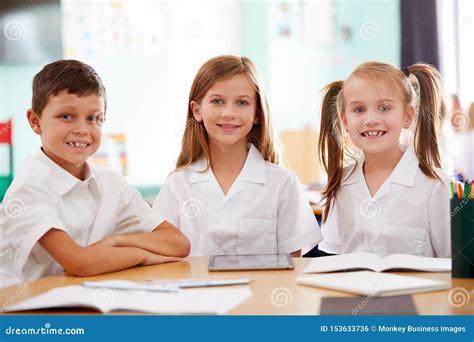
(431, 109)
(331, 143)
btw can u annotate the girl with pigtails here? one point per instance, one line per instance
(384, 195)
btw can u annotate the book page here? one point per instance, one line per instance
(342, 262)
(68, 296)
(415, 263)
(209, 301)
(372, 283)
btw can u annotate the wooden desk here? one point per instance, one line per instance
(274, 292)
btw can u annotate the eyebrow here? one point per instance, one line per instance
(74, 109)
(362, 102)
(219, 95)
(355, 102)
(66, 108)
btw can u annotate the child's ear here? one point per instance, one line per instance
(34, 120)
(196, 109)
(256, 119)
(409, 115)
(344, 120)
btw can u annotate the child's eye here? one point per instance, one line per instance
(358, 110)
(242, 103)
(383, 108)
(96, 118)
(66, 116)
(217, 101)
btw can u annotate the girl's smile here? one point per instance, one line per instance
(228, 128)
(372, 134)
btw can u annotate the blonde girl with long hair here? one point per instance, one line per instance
(384, 196)
(228, 194)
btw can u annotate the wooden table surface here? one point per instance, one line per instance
(274, 292)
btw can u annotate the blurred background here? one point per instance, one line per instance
(147, 53)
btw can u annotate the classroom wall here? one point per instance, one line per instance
(15, 99)
(149, 67)
(254, 41)
(326, 41)
(149, 93)
(147, 81)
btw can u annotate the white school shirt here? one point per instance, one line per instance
(409, 213)
(43, 196)
(264, 212)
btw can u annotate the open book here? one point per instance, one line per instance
(369, 261)
(372, 284)
(208, 301)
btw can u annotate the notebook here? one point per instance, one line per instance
(207, 301)
(368, 306)
(372, 284)
(369, 261)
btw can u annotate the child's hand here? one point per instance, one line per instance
(153, 259)
(109, 241)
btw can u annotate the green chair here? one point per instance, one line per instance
(6, 139)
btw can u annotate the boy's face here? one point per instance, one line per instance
(70, 128)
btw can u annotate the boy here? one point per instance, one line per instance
(60, 212)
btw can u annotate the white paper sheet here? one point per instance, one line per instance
(208, 301)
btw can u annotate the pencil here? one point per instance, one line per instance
(460, 192)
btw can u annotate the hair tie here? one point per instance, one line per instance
(406, 71)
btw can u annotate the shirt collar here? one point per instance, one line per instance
(404, 173)
(253, 170)
(61, 181)
(254, 167)
(406, 169)
(352, 173)
(200, 171)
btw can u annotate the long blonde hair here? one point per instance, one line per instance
(424, 94)
(195, 143)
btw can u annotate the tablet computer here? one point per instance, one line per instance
(250, 262)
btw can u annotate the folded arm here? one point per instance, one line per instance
(165, 239)
(95, 259)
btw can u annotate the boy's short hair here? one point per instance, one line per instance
(74, 76)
